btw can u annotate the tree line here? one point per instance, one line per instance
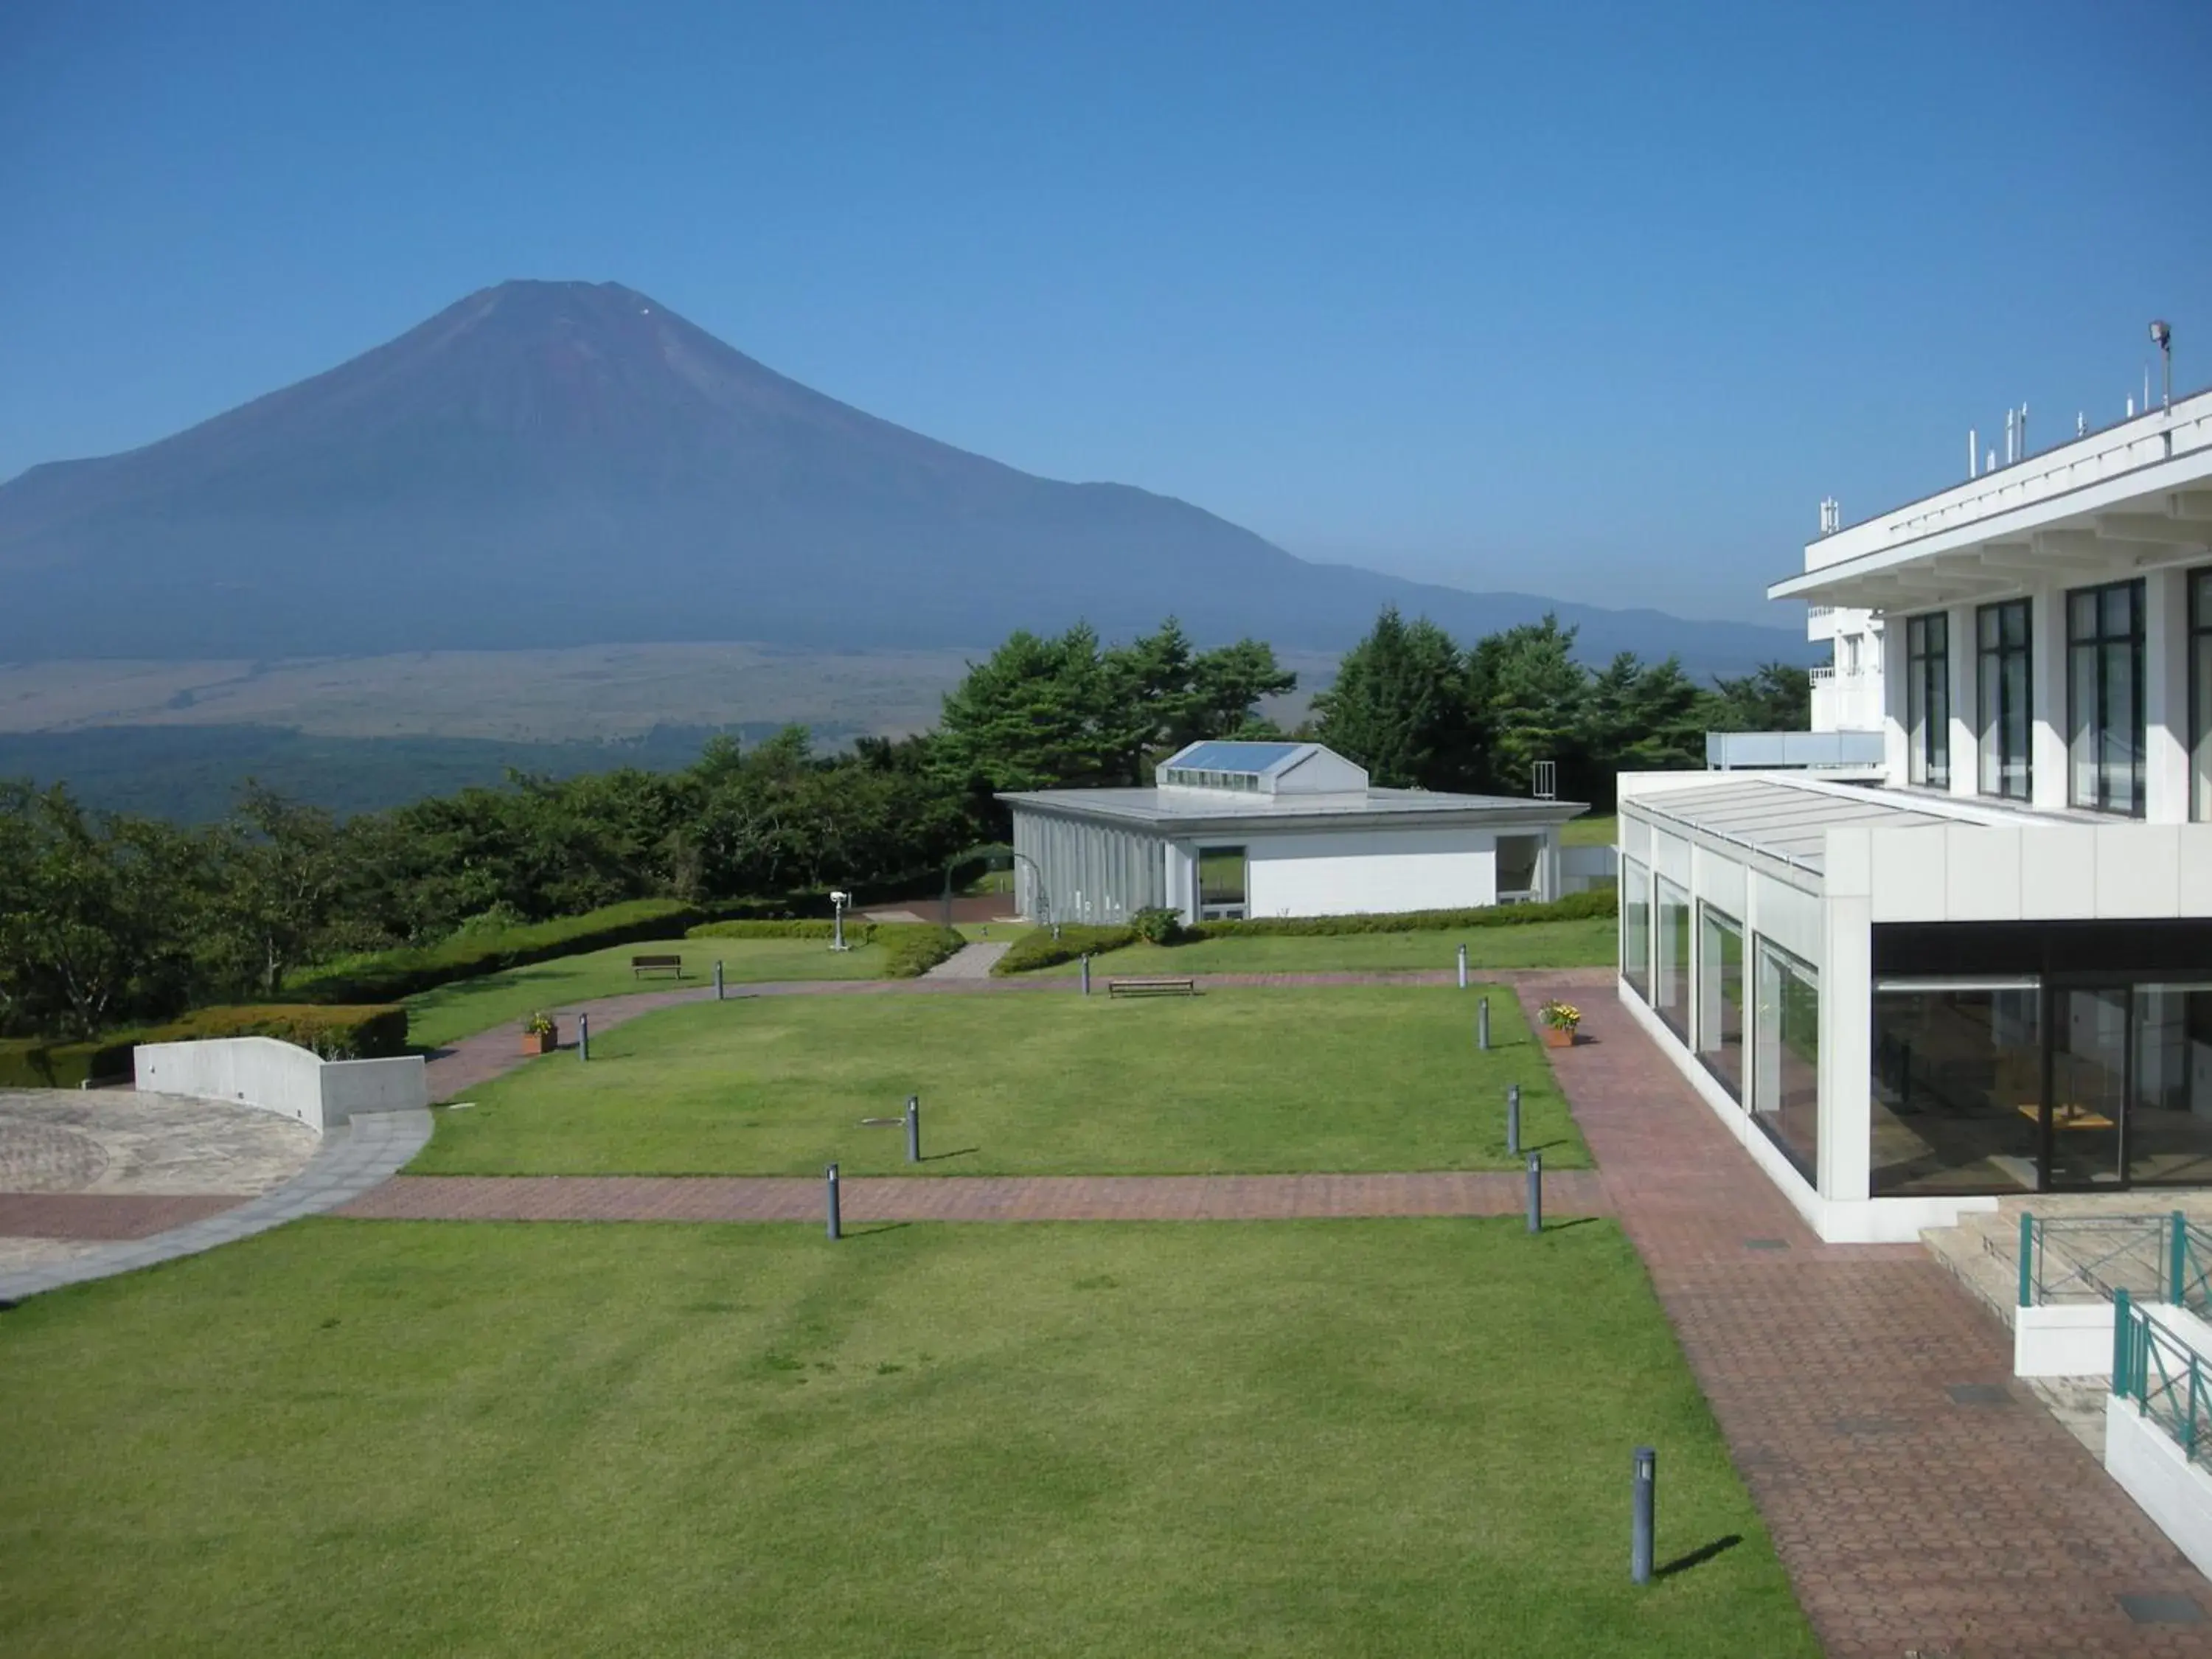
(108, 919)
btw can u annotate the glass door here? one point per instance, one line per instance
(2083, 1117)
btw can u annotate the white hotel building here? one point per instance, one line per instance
(1992, 973)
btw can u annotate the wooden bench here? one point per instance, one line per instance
(641, 966)
(1151, 987)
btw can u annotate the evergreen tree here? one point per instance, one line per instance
(1399, 707)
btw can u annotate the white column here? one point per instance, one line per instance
(2047, 676)
(1895, 771)
(1965, 750)
(2166, 696)
(1846, 1017)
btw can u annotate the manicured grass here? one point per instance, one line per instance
(468, 1005)
(1350, 1078)
(1590, 831)
(1254, 1439)
(1587, 942)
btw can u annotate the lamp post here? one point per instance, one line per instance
(838, 901)
(2162, 338)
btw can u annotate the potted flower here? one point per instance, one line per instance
(1559, 1019)
(540, 1033)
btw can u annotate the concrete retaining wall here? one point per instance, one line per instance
(2151, 1469)
(278, 1077)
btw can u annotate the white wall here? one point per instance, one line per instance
(1350, 872)
(2152, 1469)
(278, 1077)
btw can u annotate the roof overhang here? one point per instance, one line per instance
(2156, 514)
(1505, 814)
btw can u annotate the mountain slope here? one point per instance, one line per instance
(562, 462)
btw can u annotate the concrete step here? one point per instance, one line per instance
(1982, 1252)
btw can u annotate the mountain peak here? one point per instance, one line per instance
(557, 463)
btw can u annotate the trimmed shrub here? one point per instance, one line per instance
(388, 976)
(376, 1031)
(857, 932)
(335, 1033)
(1157, 925)
(38, 1063)
(1039, 948)
(913, 948)
(1576, 907)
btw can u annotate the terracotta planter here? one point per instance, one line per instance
(1558, 1036)
(534, 1042)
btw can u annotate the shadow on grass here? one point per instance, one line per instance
(1573, 1221)
(872, 1228)
(938, 1158)
(1699, 1557)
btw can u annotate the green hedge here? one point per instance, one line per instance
(335, 1033)
(1039, 948)
(388, 976)
(1576, 907)
(857, 932)
(913, 948)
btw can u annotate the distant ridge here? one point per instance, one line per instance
(554, 464)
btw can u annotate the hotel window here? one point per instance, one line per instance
(1635, 927)
(2001, 645)
(1785, 1056)
(1670, 964)
(1928, 700)
(2104, 698)
(1720, 997)
(2200, 694)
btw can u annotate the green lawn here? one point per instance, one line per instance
(1255, 1438)
(469, 1005)
(1350, 1078)
(1590, 831)
(1587, 943)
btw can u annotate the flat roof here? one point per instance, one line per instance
(1172, 808)
(1788, 818)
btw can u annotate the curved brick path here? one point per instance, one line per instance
(1909, 1523)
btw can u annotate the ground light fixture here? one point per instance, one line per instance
(838, 900)
(2162, 338)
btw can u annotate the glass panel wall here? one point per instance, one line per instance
(2200, 694)
(1785, 1056)
(2170, 1097)
(1720, 997)
(1670, 965)
(2002, 682)
(2088, 1083)
(1220, 883)
(1635, 926)
(1958, 1087)
(1928, 700)
(2104, 698)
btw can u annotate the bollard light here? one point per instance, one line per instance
(583, 1036)
(718, 981)
(1462, 967)
(1482, 1025)
(830, 1193)
(1513, 1119)
(1640, 1525)
(1086, 973)
(914, 1129)
(1536, 1192)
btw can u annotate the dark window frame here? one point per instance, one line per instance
(2004, 671)
(2200, 692)
(2100, 641)
(1928, 699)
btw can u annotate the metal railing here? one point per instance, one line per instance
(2167, 1380)
(2101, 1258)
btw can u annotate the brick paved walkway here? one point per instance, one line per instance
(1909, 1522)
(107, 1215)
(970, 1197)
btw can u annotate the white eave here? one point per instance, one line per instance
(2136, 496)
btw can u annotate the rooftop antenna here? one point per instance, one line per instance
(2162, 338)
(2081, 423)
(1974, 453)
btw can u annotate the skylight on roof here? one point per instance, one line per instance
(1225, 757)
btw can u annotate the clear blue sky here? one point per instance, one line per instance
(1591, 299)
